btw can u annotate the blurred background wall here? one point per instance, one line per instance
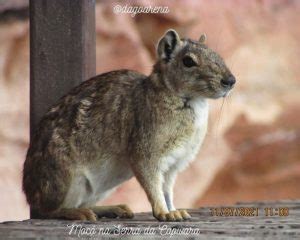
(252, 149)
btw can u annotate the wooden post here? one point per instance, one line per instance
(62, 51)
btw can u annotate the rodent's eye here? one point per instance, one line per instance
(189, 62)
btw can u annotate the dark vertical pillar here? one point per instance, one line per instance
(62, 50)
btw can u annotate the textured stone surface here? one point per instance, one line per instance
(203, 225)
(251, 150)
(14, 116)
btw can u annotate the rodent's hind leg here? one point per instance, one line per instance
(121, 211)
(83, 214)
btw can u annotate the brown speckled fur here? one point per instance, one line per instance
(118, 125)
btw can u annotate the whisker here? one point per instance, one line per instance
(218, 123)
(229, 102)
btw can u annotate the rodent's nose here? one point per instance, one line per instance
(228, 82)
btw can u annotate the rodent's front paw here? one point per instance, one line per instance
(172, 216)
(185, 215)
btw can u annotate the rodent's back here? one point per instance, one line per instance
(89, 105)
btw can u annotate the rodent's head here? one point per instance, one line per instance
(191, 68)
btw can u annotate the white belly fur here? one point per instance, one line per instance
(187, 151)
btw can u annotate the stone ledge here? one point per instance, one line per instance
(202, 225)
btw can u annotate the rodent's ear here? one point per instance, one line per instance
(202, 39)
(167, 44)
